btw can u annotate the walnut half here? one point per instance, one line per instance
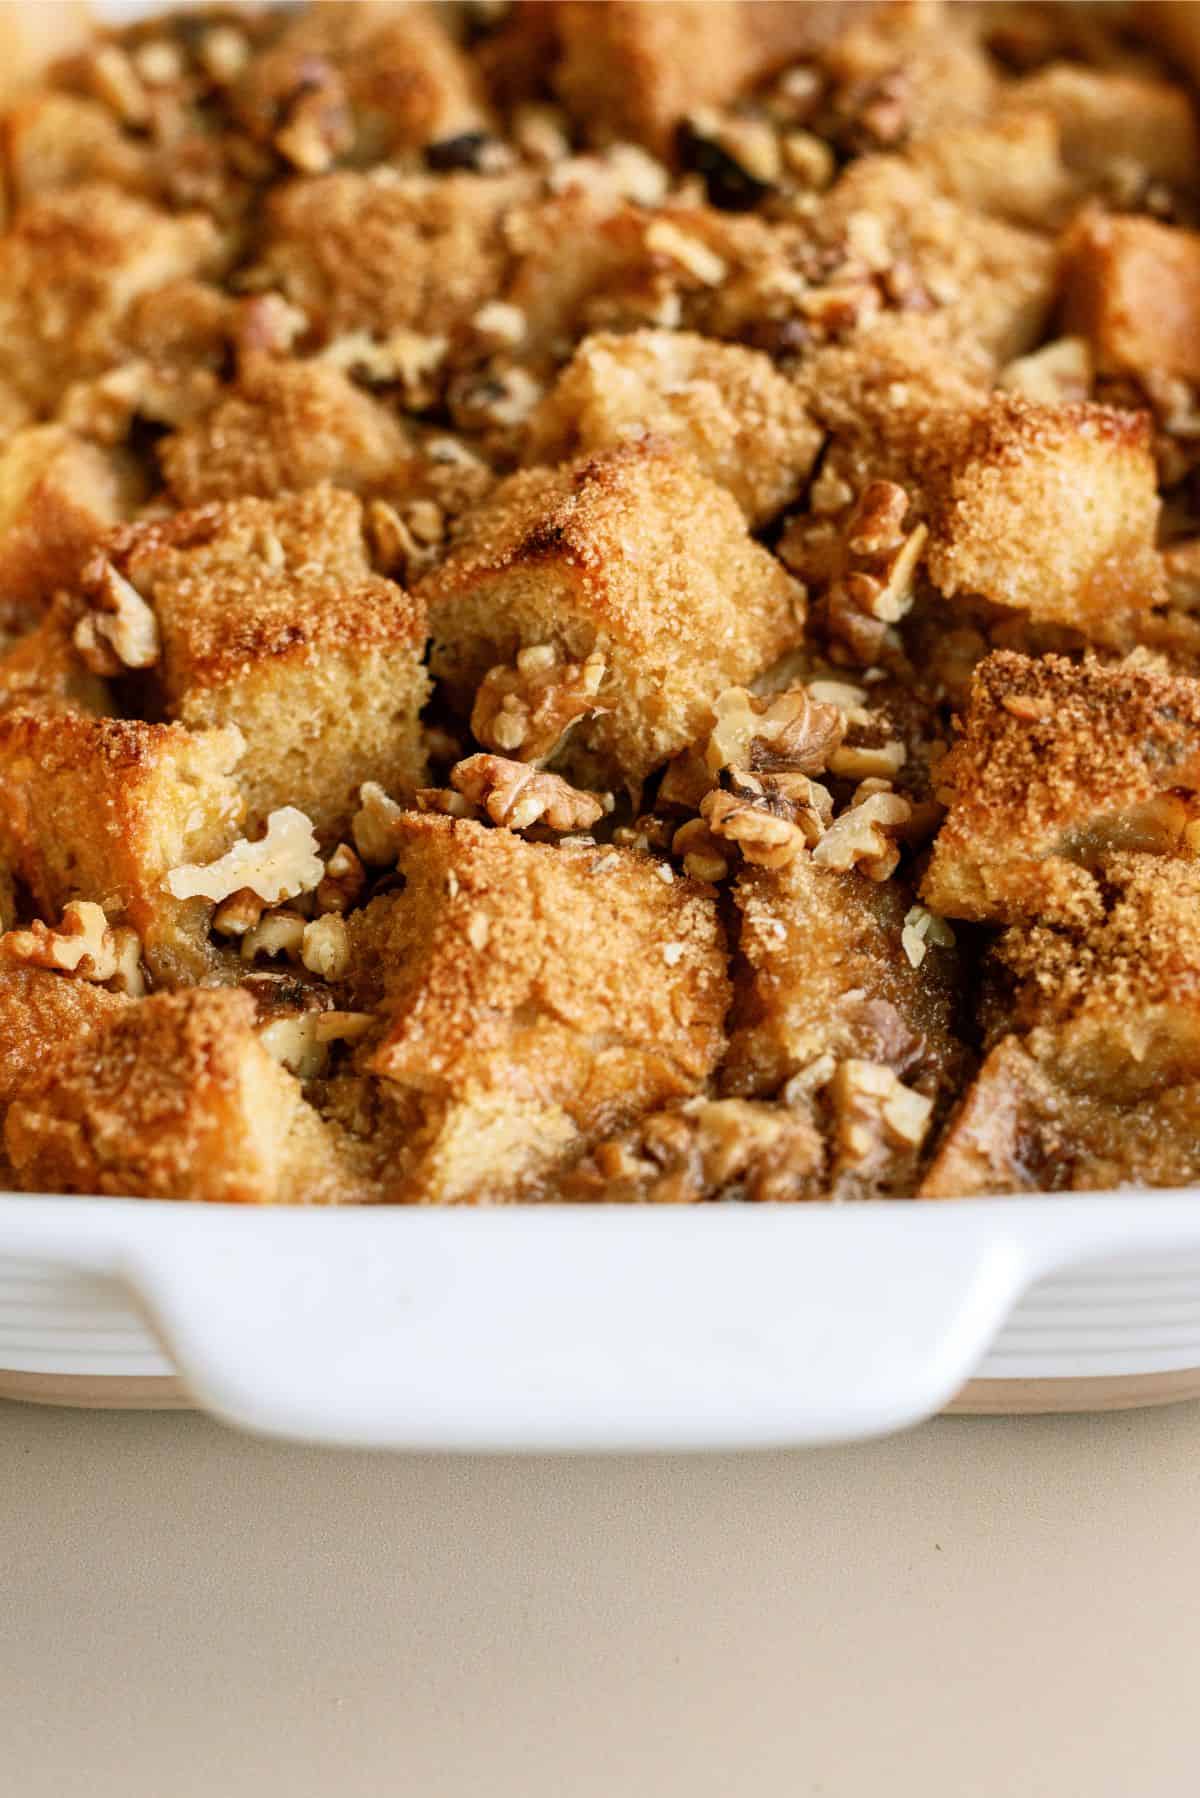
(280, 865)
(515, 795)
(525, 709)
(84, 943)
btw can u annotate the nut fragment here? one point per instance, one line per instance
(704, 856)
(686, 252)
(121, 631)
(325, 947)
(875, 1114)
(83, 943)
(922, 927)
(238, 914)
(345, 879)
(293, 1039)
(515, 795)
(375, 825)
(859, 839)
(277, 933)
(524, 710)
(282, 864)
(771, 818)
(788, 731)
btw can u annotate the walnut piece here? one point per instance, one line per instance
(772, 818)
(325, 947)
(374, 826)
(525, 709)
(344, 882)
(858, 837)
(281, 865)
(922, 927)
(83, 943)
(516, 795)
(120, 631)
(238, 914)
(277, 933)
(875, 1114)
(704, 856)
(789, 730)
(875, 568)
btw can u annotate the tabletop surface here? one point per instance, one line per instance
(978, 1608)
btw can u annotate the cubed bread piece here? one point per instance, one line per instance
(829, 969)
(1058, 766)
(535, 997)
(633, 553)
(633, 71)
(173, 1098)
(43, 671)
(386, 78)
(333, 246)
(41, 1015)
(58, 493)
(1032, 1121)
(71, 266)
(1134, 967)
(286, 425)
(1052, 510)
(747, 427)
(1132, 288)
(271, 619)
(992, 284)
(50, 141)
(1115, 123)
(1010, 167)
(103, 809)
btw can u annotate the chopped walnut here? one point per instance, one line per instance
(721, 1148)
(412, 359)
(516, 795)
(772, 818)
(704, 856)
(866, 761)
(277, 933)
(876, 563)
(446, 802)
(501, 399)
(922, 927)
(525, 710)
(858, 837)
(875, 1115)
(115, 81)
(83, 943)
(325, 947)
(788, 731)
(374, 826)
(238, 914)
(344, 881)
(121, 631)
(280, 865)
(293, 1039)
(686, 252)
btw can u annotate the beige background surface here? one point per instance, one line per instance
(981, 1607)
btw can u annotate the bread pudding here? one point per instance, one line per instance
(601, 602)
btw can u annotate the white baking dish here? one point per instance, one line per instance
(601, 1327)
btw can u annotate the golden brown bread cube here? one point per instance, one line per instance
(1011, 166)
(71, 266)
(633, 71)
(333, 246)
(271, 619)
(367, 80)
(633, 553)
(746, 425)
(534, 998)
(829, 970)
(103, 808)
(1132, 288)
(1114, 122)
(58, 493)
(286, 425)
(41, 1014)
(1050, 510)
(987, 283)
(52, 140)
(1058, 766)
(175, 1098)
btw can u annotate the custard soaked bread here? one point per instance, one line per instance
(601, 602)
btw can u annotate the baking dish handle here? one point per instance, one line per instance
(586, 1328)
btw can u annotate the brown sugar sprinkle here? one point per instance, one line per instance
(602, 603)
